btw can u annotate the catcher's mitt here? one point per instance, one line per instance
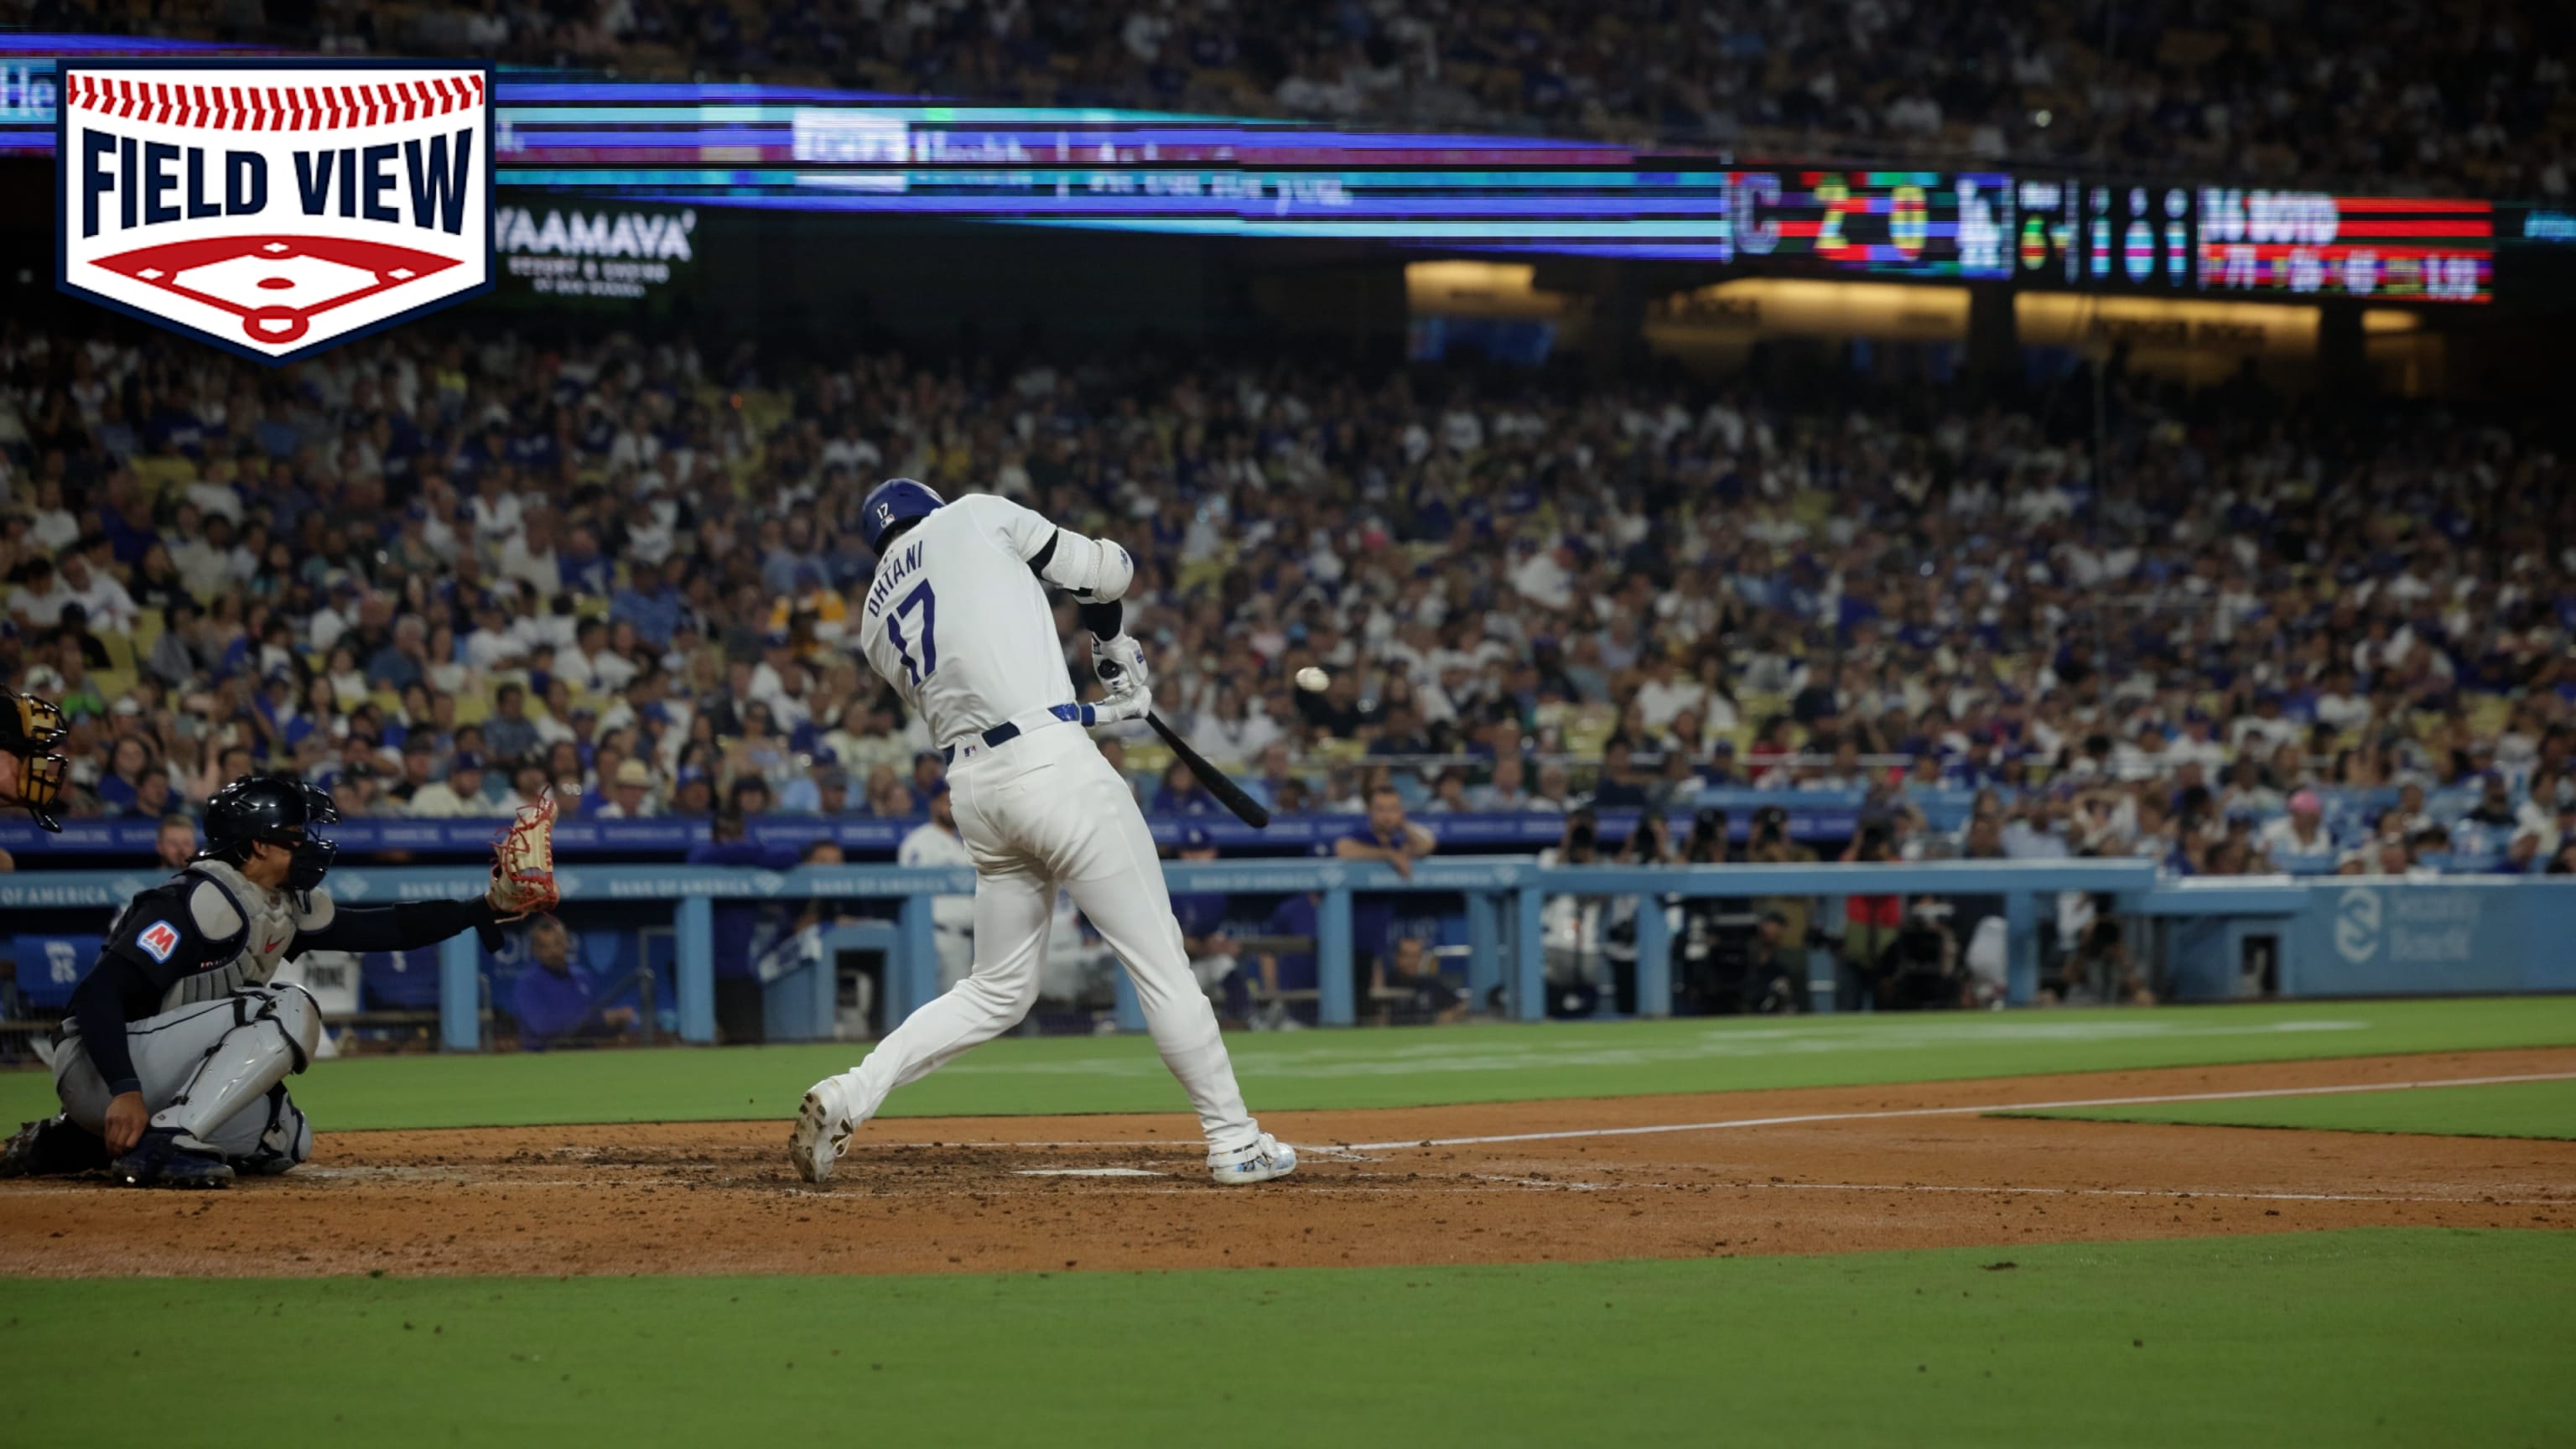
(523, 875)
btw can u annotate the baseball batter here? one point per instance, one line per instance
(957, 620)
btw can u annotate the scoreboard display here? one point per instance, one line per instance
(1907, 223)
(2104, 236)
(2164, 237)
(2308, 242)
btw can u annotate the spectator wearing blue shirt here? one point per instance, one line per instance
(554, 998)
(1182, 794)
(650, 602)
(824, 788)
(739, 925)
(509, 734)
(1386, 837)
(584, 568)
(1201, 915)
(1286, 967)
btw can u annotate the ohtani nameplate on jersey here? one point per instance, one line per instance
(275, 208)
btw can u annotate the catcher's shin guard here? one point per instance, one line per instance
(286, 1141)
(276, 1031)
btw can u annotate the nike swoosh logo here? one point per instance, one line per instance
(273, 945)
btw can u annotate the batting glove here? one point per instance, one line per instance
(1133, 703)
(1120, 663)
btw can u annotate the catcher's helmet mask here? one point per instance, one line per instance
(273, 810)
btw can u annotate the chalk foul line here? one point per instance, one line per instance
(1978, 1109)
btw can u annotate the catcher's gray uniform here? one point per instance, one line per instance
(180, 1007)
(201, 1066)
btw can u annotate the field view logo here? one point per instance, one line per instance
(2357, 922)
(274, 208)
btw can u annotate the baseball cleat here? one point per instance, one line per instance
(50, 1148)
(822, 1134)
(168, 1157)
(1256, 1161)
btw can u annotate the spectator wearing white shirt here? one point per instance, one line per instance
(496, 513)
(952, 917)
(493, 644)
(2265, 730)
(458, 795)
(630, 792)
(38, 601)
(1666, 692)
(1508, 789)
(2300, 835)
(2339, 705)
(578, 666)
(54, 526)
(529, 555)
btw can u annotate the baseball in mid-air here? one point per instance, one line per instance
(1312, 678)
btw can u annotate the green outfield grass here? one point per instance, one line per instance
(1412, 1067)
(2510, 1109)
(2357, 1338)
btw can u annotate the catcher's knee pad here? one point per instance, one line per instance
(299, 1016)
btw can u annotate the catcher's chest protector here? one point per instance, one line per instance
(225, 904)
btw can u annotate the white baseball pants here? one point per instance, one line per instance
(1043, 810)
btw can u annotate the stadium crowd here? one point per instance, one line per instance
(2453, 100)
(447, 569)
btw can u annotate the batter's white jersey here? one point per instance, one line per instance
(958, 624)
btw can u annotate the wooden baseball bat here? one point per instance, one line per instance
(1245, 808)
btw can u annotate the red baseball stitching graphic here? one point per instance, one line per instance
(275, 108)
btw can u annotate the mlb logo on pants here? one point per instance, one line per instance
(274, 208)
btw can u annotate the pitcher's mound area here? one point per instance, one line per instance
(1807, 1171)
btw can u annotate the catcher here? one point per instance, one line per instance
(172, 1070)
(32, 771)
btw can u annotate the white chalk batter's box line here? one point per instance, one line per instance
(274, 108)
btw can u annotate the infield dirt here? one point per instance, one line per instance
(1127, 1192)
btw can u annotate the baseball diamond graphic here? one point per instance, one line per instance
(302, 276)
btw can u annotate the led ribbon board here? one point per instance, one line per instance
(594, 143)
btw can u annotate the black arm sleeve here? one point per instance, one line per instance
(396, 928)
(1044, 556)
(100, 1008)
(1103, 620)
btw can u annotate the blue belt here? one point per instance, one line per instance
(1005, 732)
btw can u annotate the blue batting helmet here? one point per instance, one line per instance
(893, 501)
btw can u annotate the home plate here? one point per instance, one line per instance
(1088, 1172)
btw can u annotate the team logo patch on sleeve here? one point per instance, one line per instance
(274, 207)
(158, 940)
